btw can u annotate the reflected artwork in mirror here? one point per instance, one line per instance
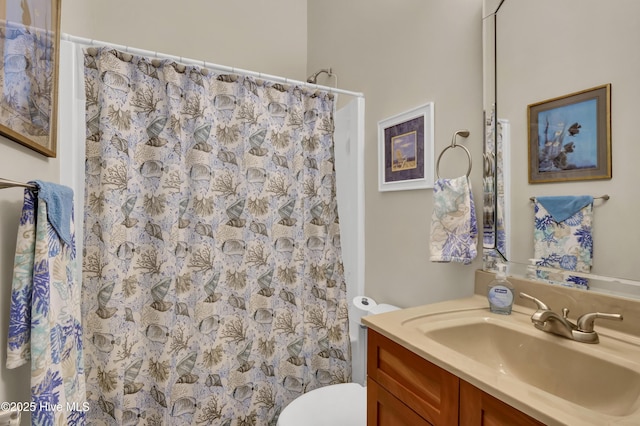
(570, 137)
(537, 51)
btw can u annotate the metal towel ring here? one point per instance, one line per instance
(464, 134)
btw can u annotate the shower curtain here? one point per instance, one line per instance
(213, 286)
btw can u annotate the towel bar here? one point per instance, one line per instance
(464, 134)
(6, 183)
(605, 197)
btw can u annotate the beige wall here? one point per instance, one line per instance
(582, 44)
(401, 54)
(257, 35)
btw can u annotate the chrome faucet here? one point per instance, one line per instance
(551, 322)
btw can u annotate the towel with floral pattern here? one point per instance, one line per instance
(564, 240)
(454, 229)
(44, 324)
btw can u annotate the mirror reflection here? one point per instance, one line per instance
(548, 49)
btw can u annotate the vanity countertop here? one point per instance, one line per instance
(414, 328)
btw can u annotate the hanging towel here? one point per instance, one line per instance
(59, 200)
(454, 230)
(562, 208)
(562, 236)
(44, 324)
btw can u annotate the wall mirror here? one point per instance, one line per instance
(538, 51)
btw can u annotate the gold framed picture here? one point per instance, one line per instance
(30, 44)
(570, 137)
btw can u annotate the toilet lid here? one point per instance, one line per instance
(344, 404)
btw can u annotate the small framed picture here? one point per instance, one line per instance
(570, 137)
(405, 150)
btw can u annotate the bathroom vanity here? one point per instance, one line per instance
(455, 362)
(403, 388)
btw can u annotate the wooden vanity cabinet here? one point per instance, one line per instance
(384, 409)
(415, 384)
(480, 408)
(405, 389)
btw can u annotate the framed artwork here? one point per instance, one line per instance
(30, 43)
(570, 137)
(405, 150)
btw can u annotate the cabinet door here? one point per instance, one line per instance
(384, 409)
(424, 387)
(480, 408)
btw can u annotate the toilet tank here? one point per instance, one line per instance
(358, 336)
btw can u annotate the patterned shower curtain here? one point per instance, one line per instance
(213, 286)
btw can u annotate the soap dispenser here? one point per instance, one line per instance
(501, 292)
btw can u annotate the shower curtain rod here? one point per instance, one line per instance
(209, 65)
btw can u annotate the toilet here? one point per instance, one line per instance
(344, 404)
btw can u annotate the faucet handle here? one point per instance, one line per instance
(540, 303)
(585, 322)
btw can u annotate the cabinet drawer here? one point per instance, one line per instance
(424, 387)
(480, 408)
(384, 409)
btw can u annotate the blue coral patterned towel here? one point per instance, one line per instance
(454, 230)
(562, 237)
(44, 324)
